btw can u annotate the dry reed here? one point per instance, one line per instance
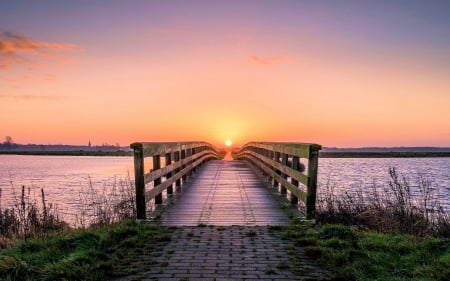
(396, 208)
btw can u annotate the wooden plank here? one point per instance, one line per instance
(161, 187)
(159, 173)
(284, 169)
(292, 188)
(161, 148)
(225, 193)
(298, 149)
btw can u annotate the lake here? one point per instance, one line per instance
(351, 174)
(66, 179)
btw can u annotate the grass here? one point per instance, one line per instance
(399, 232)
(388, 238)
(353, 254)
(90, 254)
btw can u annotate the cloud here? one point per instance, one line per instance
(16, 49)
(265, 61)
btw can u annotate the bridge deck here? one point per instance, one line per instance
(225, 193)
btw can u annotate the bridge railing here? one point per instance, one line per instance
(281, 163)
(180, 159)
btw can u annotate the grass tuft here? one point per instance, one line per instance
(353, 254)
(86, 254)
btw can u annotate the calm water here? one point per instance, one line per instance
(66, 178)
(360, 173)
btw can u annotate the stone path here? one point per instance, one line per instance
(222, 217)
(227, 253)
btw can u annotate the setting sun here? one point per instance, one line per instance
(228, 143)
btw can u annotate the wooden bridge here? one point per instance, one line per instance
(219, 192)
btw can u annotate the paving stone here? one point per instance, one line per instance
(231, 264)
(237, 243)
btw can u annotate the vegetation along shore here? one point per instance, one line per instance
(399, 237)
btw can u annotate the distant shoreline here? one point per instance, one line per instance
(334, 154)
(69, 153)
(403, 154)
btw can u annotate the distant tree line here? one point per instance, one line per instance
(10, 145)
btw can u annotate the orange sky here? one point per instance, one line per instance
(338, 75)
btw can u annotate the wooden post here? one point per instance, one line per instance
(176, 156)
(284, 161)
(189, 153)
(313, 165)
(139, 180)
(295, 166)
(183, 155)
(156, 182)
(168, 160)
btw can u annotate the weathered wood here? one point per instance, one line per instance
(158, 189)
(225, 193)
(273, 160)
(299, 149)
(173, 171)
(139, 181)
(313, 165)
(168, 161)
(176, 156)
(157, 181)
(160, 148)
(162, 172)
(285, 169)
(295, 166)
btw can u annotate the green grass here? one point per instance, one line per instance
(362, 255)
(94, 254)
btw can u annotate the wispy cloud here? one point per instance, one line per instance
(16, 49)
(266, 61)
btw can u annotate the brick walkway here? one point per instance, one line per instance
(236, 244)
(227, 253)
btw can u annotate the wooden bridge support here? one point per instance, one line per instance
(187, 157)
(281, 162)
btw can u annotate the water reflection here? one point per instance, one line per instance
(351, 174)
(65, 178)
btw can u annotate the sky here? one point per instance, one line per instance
(337, 73)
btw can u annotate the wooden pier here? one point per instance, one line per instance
(225, 193)
(218, 192)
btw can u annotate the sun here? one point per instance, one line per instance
(228, 143)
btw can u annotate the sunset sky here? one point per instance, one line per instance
(337, 73)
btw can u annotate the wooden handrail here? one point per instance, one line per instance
(281, 162)
(181, 158)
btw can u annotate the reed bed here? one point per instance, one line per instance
(32, 216)
(108, 204)
(28, 217)
(399, 207)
